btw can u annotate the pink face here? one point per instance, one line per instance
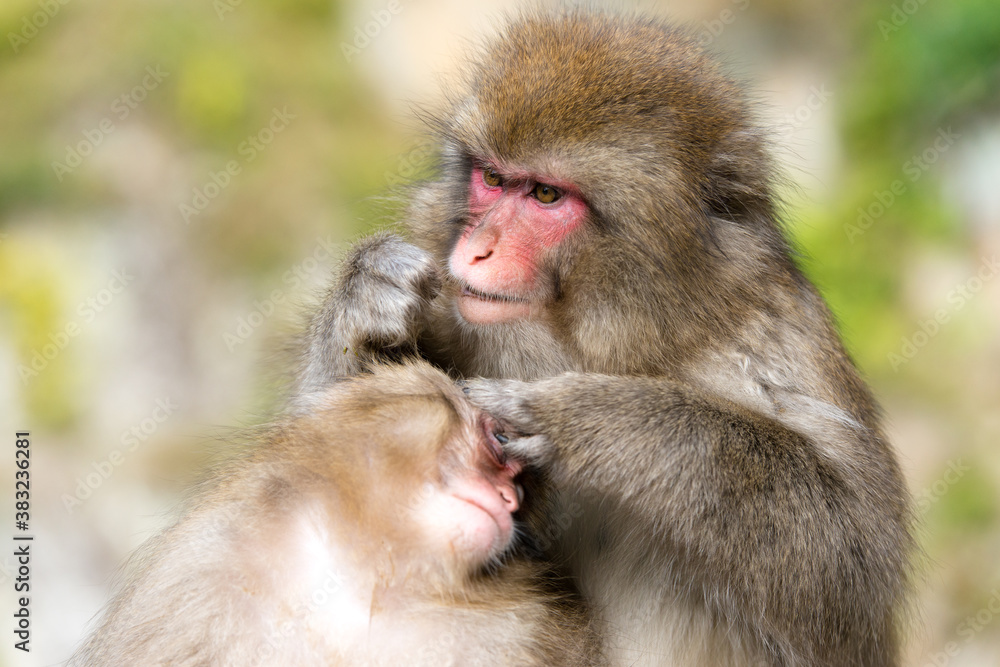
(487, 496)
(515, 218)
(470, 516)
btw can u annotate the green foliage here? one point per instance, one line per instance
(33, 279)
(230, 66)
(211, 91)
(906, 86)
(939, 67)
(970, 506)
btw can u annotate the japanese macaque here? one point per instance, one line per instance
(369, 530)
(602, 250)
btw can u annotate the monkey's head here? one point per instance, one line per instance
(419, 469)
(599, 167)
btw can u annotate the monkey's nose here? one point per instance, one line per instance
(512, 496)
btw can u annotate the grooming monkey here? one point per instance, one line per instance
(366, 531)
(602, 248)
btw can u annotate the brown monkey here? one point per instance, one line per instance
(603, 242)
(369, 530)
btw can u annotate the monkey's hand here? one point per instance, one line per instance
(384, 289)
(509, 402)
(374, 311)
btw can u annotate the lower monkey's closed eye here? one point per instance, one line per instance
(495, 443)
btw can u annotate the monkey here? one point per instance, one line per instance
(374, 529)
(601, 256)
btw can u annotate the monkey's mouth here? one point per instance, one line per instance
(487, 499)
(478, 307)
(484, 296)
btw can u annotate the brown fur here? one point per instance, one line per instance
(233, 581)
(740, 504)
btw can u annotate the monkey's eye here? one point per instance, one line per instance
(545, 193)
(491, 177)
(496, 451)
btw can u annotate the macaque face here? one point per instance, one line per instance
(516, 219)
(467, 513)
(410, 471)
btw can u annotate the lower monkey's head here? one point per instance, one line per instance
(417, 471)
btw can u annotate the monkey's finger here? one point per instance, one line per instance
(413, 268)
(504, 400)
(534, 450)
(430, 285)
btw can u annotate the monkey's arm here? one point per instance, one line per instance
(372, 311)
(774, 530)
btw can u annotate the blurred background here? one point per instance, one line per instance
(178, 177)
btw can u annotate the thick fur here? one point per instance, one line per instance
(304, 554)
(740, 504)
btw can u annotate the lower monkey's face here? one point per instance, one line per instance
(423, 475)
(516, 219)
(469, 512)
